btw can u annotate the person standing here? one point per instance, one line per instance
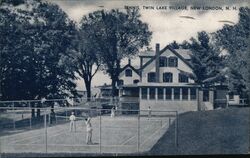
(72, 119)
(149, 112)
(89, 130)
(113, 112)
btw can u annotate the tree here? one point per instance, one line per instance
(235, 41)
(185, 45)
(35, 47)
(207, 64)
(174, 45)
(116, 35)
(87, 56)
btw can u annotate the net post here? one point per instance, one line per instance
(100, 132)
(30, 116)
(13, 111)
(176, 128)
(66, 111)
(138, 132)
(45, 127)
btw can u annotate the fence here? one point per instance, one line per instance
(35, 126)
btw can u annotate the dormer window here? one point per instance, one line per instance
(183, 78)
(128, 73)
(152, 77)
(172, 62)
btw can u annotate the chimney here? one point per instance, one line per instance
(157, 66)
(129, 61)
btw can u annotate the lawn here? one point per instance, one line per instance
(223, 131)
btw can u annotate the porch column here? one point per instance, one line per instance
(180, 93)
(200, 99)
(140, 96)
(211, 97)
(164, 93)
(147, 93)
(172, 95)
(189, 94)
(156, 93)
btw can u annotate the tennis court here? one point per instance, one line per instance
(119, 134)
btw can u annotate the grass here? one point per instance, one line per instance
(223, 131)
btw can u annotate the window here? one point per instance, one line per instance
(168, 93)
(183, 78)
(120, 82)
(163, 61)
(144, 93)
(136, 81)
(167, 77)
(176, 93)
(151, 77)
(192, 93)
(184, 93)
(128, 73)
(172, 62)
(151, 93)
(160, 93)
(205, 95)
(231, 96)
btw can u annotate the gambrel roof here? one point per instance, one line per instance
(185, 57)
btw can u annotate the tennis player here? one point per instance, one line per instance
(89, 130)
(72, 119)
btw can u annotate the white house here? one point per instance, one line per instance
(162, 85)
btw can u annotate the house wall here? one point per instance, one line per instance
(129, 80)
(235, 100)
(163, 105)
(174, 70)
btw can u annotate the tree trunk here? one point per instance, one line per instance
(32, 110)
(38, 110)
(113, 87)
(52, 107)
(38, 113)
(88, 88)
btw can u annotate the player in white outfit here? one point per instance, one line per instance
(89, 130)
(72, 119)
(113, 112)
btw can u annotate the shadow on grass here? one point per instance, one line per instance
(224, 131)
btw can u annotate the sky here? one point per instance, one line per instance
(167, 25)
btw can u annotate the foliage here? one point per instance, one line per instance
(87, 58)
(206, 61)
(35, 47)
(235, 41)
(116, 35)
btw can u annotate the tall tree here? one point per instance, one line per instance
(117, 35)
(87, 58)
(208, 67)
(35, 47)
(235, 41)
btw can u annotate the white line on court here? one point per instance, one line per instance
(65, 145)
(148, 138)
(126, 141)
